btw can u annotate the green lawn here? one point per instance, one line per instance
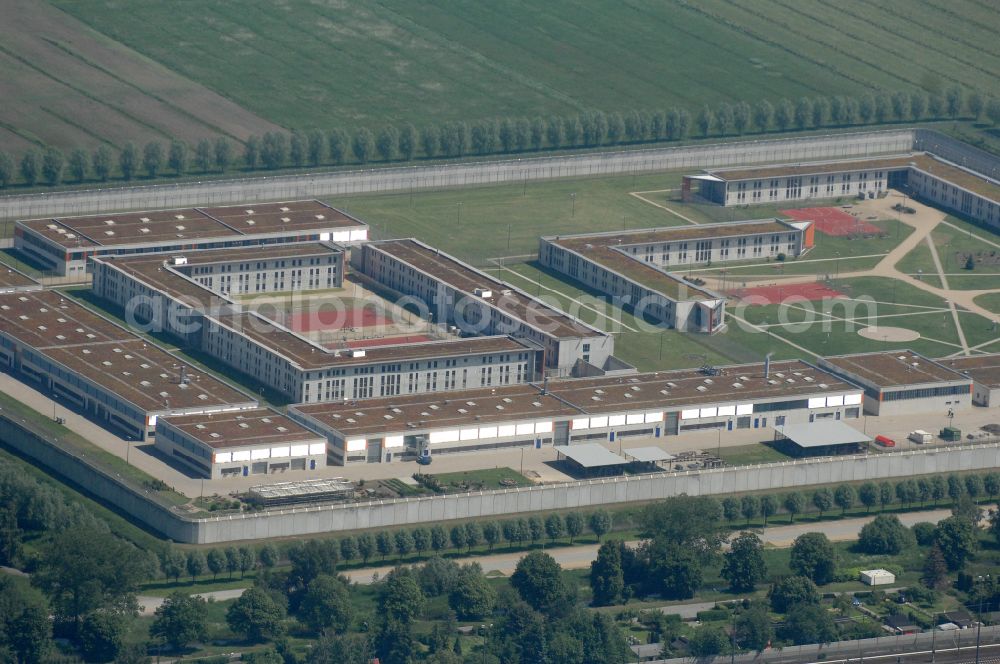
(989, 301)
(820, 326)
(485, 479)
(402, 60)
(475, 222)
(745, 455)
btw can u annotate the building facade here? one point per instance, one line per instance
(240, 444)
(583, 410)
(636, 269)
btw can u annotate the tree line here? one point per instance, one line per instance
(315, 148)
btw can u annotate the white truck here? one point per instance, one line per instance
(920, 436)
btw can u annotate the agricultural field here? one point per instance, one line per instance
(67, 85)
(97, 74)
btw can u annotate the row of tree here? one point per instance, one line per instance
(909, 492)
(363, 547)
(314, 148)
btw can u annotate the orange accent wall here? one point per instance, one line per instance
(810, 237)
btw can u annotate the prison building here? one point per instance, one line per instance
(172, 293)
(902, 382)
(307, 372)
(65, 244)
(239, 444)
(922, 175)
(456, 294)
(13, 281)
(984, 370)
(183, 298)
(102, 369)
(582, 410)
(635, 268)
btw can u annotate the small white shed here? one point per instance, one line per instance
(877, 577)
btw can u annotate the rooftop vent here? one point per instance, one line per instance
(284, 208)
(701, 388)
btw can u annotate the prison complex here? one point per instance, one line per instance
(635, 267)
(65, 244)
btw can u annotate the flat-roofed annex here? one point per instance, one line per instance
(518, 305)
(900, 368)
(675, 389)
(11, 278)
(109, 356)
(244, 428)
(569, 397)
(984, 369)
(438, 410)
(177, 225)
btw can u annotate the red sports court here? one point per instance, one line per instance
(779, 293)
(833, 221)
(326, 319)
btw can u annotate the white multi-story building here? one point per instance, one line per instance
(638, 268)
(582, 410)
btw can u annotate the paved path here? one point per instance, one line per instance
(923, 222)
(580, 557)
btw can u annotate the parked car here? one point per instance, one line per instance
(885, 441)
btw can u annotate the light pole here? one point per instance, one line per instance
(459, 214)
(572, 198)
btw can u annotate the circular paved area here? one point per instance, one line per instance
(889, 333)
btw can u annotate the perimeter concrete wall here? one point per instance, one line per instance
(226, 192)
(95, 481)
(595, 493)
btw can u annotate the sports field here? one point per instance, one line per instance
(353, 63)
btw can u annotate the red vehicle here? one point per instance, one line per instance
(885, 441)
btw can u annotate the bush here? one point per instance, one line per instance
(781, 257)
(886, 535)
(924, 533)
(713, 615)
